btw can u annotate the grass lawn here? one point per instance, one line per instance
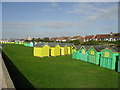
(56, 72)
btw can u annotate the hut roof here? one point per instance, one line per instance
(68, 44)
(87, 47)
(78, 47)
(52, 44)
(40, 44)
(62, 44)
(114, 49)
(117, 49)
(98, 48)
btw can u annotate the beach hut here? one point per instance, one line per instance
(31, 44)
(69, 48)
(26, 44)
(20, 42)
(62, 49)
(94, 54)
(65, 49)
(110, 58)
(77, 54)
(83, 54)
(16, 42)
(119, 64)
(74, 51)
(41, 50)
(54, 49)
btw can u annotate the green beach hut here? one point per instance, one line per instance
(94, 54)
(77, 54)
(83, 54)
(119, 64)
(74, 49)
(110, 58)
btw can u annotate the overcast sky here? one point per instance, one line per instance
(54, 19)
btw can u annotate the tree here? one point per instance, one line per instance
(91, 42)
(76, 42)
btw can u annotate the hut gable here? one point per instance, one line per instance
(98, 48)
(78, 47)
(86, 47)
(114, 50)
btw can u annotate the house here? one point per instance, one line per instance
(28, 38)
(102, 37)
(61, 39)
(76, 38)
(107, 37)
(88, 38)
(114, 36)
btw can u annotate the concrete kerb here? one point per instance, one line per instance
(5, 80)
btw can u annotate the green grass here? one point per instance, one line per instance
(59, 72)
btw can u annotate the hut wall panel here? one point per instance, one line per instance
(57, 50)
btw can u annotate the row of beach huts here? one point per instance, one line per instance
(104, 56)
(48, 49)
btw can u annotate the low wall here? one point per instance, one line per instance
(5, 80)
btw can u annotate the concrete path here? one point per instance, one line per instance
(5, 80)
(0, 70)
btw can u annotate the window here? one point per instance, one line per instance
(92, 52)
(83, 51)
(106, 54)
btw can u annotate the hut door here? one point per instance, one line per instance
(99, 59)
(50, 51)
(116, 63)
(60, 52)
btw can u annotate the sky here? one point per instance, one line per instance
(56, 19)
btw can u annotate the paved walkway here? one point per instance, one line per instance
(0, 70)
(5, 80)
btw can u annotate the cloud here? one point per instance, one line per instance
(104, 14)
(17, 25)
(82, 8)
(110, 28)
(47, 10)
(54, 4)
(60, 0)
(56, 24)
(92, 12)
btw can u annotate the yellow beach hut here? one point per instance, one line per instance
(54, 49)
(41, 50)
(69, 48)
(62, 48)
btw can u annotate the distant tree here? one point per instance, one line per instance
(46, 39)
(91, 42)
(33, 39)
(75, 42)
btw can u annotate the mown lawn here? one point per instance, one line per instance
(58, 72)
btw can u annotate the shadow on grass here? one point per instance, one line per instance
(17, 77)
